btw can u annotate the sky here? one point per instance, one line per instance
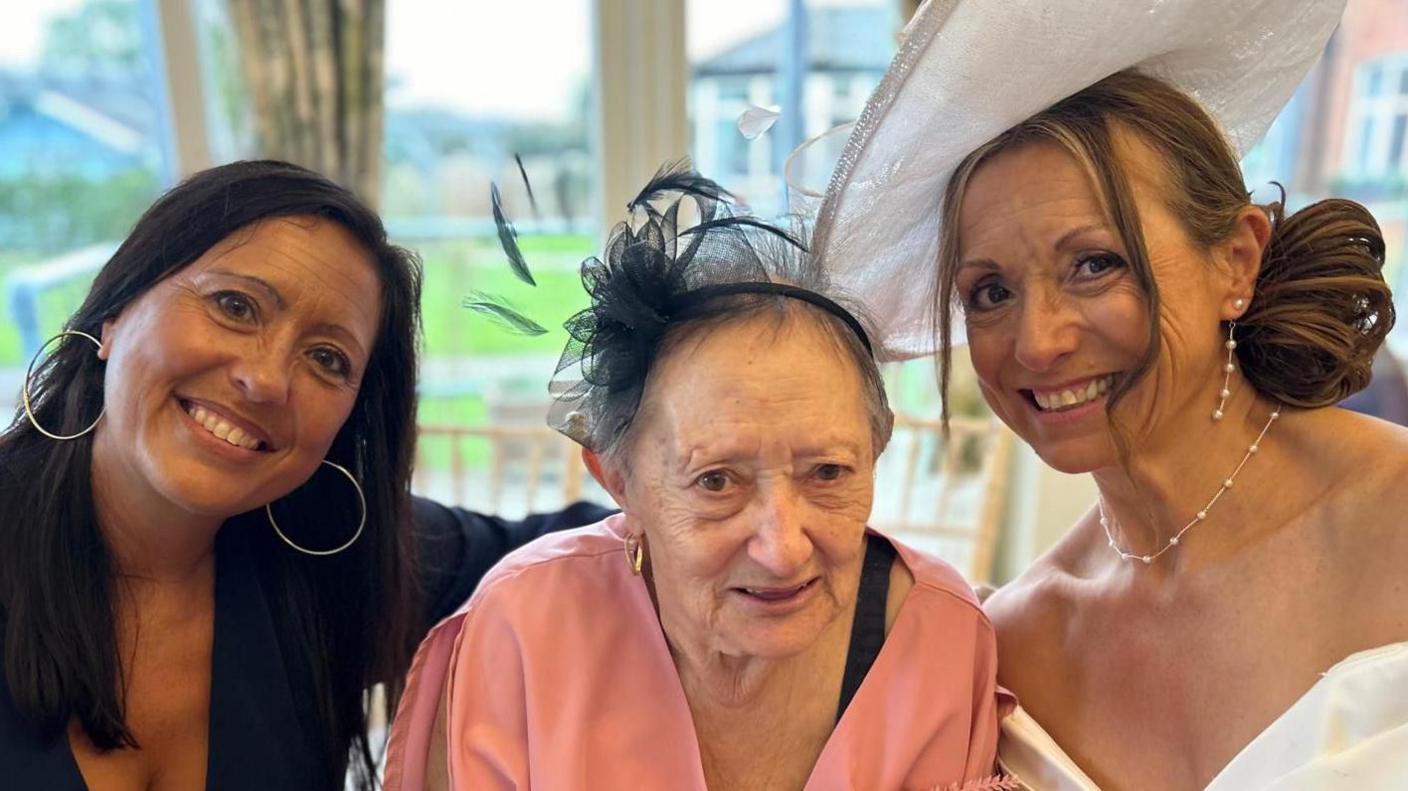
(21, 33)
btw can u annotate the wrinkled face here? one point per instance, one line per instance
(750, 473)
(227, 382)
(1054, 314)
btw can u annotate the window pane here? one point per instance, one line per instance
(81, 155)
(229, 118)
(470, 89)
(1366, 141)
(748, 52)
(1395, 145)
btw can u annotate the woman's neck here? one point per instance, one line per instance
(762, 723)
(1174, 477)
(150, 538)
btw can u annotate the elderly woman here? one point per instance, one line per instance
(205, 525)
(1230, 613)
(736, 626)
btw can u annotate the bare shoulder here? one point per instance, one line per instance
(1029, 610)
(1365, 515)
(1366, 460)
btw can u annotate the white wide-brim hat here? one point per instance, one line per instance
(968, 70)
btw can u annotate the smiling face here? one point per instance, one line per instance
(228, 381)
(749, 470)
(1054, 313)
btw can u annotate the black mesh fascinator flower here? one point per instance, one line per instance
(657, 273)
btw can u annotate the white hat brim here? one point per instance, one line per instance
(967, 70)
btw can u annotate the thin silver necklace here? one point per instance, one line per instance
(1201, 516)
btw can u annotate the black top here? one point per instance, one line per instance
(261, 699)
(868, 628)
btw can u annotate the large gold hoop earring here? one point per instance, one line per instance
(29, 374)
(361, 523)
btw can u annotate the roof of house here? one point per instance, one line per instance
(115, 113)
(838, 39)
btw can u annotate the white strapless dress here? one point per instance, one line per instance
(1348, 732)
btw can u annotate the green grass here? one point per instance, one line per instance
(452, 271)
(460, 410)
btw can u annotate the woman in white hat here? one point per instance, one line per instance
(1231, 613)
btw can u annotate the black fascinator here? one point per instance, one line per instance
(682, 252)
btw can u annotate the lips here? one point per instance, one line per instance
(229, 430)
(777, 594)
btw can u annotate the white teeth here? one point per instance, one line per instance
(232, 434)
(1069, 398)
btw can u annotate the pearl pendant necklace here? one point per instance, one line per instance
(1201, 516)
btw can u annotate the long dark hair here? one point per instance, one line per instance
(350, 618)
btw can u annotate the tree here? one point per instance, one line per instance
(101, 40)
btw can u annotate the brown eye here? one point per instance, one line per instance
(714, 481)
(235, 305)
(829, 472)
(332, 361)
(988, 295)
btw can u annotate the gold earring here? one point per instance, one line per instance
(29, 374)
(635, 554)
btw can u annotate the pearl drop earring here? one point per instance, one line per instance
(1227, 368)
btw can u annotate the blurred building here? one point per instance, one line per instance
(1346, 132)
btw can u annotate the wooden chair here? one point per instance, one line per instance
(508, 470)
(943, 494)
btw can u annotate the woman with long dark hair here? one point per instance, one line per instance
(205, 513)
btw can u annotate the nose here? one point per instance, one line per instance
(1046, 332)
(780, 544)
(262, 377)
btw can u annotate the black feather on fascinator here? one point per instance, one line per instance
(499, 309)
(655, 273)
